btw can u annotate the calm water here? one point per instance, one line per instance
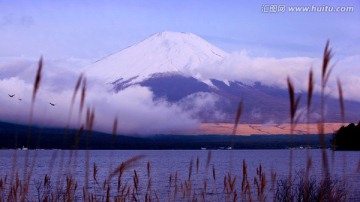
(165, 163)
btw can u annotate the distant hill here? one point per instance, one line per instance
(348, 137)
(16, 136)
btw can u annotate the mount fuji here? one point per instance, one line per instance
(165, 52)
(170, 65)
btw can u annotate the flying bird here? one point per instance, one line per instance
(11, 95)
(52, 104)
(20, 99)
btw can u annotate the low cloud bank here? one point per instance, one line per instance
(240, 66)
(135, 107)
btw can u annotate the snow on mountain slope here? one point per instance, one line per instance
(161, 53)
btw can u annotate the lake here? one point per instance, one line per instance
(175, 163)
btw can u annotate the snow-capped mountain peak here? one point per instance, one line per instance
(160, 53)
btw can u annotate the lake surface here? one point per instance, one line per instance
(165, 163)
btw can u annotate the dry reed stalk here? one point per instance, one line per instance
(342, 114)
(325, 75)
(35, 90)
(83, 94)
(82, 99)
(341, 100)
(52, 162)
(95, 171)
(134, 198)
(245, 184)
(88, 121)
(235, 198)
(232, 182)
(309, 97)
(182, 189)
(136, 181)
(148, 169)
(197, 165)
(114, 132)
(76, 89)
(170, 181)
(176, 185)
(37, 79)
(190, 169)
(208, 159)
(125, 166)
(244, 177)
(59, 171)
(204, 185)
(260, 183)
(326, 71)
(237, 118)
(71, 187)
(157, 197)
(214, 173)
(108, 194)
(78, 136)
(148, 189)
(307, 176)
(123, 188)
(308, 111)
(294, 103)
(149, 186)
(113, 141)
(188, 189)
(90, 117)
(104, 184)
(14, 167)
(79, 132)
(225, 186)
(273, 180)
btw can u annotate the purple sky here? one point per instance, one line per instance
(93, 29)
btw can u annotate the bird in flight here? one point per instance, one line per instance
(11, 95)
(52, 104)
(20, 99)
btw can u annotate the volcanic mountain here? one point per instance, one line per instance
(165, 52)
(168, 63)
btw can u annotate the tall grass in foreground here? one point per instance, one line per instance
(117, 186)
(294, 103)
(304, 188)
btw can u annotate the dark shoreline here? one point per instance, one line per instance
(14, 136)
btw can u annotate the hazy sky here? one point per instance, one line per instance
(94, 29)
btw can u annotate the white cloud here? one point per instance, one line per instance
(204, 105)
(138, 112)
(135, 108)
(274, 72)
